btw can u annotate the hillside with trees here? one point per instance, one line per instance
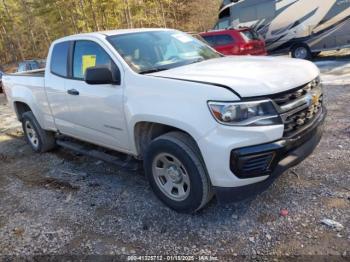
(27, 27)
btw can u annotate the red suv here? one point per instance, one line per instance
(243, 41)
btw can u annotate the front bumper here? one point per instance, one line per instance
(281, 155)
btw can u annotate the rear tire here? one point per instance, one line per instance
(301, 51)
(40, 140)
(176, 172)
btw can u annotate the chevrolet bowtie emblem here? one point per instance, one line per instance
(315, 99)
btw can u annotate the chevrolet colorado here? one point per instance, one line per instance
(203, 124)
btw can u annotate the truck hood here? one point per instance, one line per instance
(248, 76)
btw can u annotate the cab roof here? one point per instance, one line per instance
(130, 31)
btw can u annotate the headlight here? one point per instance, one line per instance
(252, 113)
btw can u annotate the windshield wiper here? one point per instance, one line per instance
(182, 63)
(153, 70)
(197, 61)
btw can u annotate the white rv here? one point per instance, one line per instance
(303, 27)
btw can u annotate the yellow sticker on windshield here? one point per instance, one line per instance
(88, 61)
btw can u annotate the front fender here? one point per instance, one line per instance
(195, 132)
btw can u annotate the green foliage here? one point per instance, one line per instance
(27, 27)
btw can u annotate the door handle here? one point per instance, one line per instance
(73, 92)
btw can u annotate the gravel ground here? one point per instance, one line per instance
(62, 203)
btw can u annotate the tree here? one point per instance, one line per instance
(27, 27)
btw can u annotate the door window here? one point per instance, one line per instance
(21, 68)
(88, 54)
(34, 65)
(219, 40)
(250, 35)
(224, 40)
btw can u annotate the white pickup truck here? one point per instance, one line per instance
(203, 124)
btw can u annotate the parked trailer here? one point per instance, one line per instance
(303, 27)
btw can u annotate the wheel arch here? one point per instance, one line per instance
(21, 108)
(144, 132)
(297, 44)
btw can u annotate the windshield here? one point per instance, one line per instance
(148, 52)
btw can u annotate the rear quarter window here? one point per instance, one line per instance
(249, 35)
(59, 59)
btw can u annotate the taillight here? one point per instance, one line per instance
(247, 47)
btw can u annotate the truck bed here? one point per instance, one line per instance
(29, 84)
(29, 88)
(25, 80)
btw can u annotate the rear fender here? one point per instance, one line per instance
(24, 95)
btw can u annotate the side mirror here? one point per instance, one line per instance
(101, 75)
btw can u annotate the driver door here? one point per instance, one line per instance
(96, 111)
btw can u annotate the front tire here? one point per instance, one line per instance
(39, 140)
(176, 172)
(301, 51)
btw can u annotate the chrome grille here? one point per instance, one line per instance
(299, 108)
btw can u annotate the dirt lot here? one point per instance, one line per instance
(62, 203)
